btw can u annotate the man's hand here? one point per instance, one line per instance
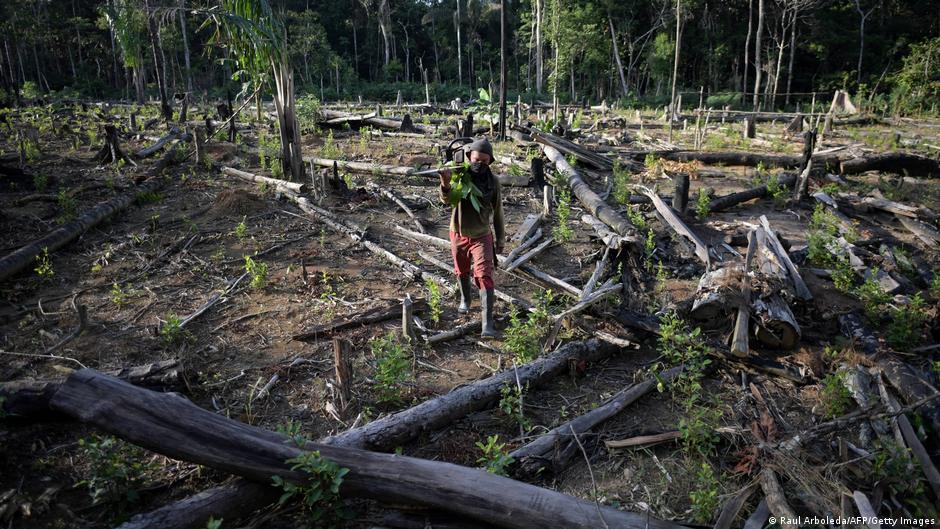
(445, 178)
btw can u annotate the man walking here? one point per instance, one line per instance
(471, 238)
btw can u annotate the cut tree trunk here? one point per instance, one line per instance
(588, 197)
(553, 450)
(29, 399)
(111, 151)
(146, 152)
(175, 427)
(283, 185)
(242, 497)
(909, 164)
(375, 315)
(19, 260)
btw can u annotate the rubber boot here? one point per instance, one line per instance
(465, 293)
(486, 302)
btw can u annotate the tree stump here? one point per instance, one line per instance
(111, 151)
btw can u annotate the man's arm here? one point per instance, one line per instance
(499, 228)
(445, 186)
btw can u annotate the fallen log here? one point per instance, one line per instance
(598, 161)
(241, 497)
(29, 399)
(394, 198)
(293, 187)
(146, 152)
(177, 428)
(375, 315)
(523, 247)
(776, 500)
(741, 158)
(905, 163)
(19, 260)
(588, 197)
(553, 450)
(725, 202)
(673, 220)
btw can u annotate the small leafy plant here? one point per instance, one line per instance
(44, 265)
(117, 470)
(393, 367)
(562, 231)
(511, 404)
(705, 499)
(172, 329)
(523, 338)
(118, 295)
(496, 458)
(435, 299)
(834, 397)
(319, 492)
(701, 205)
(257, 270)
(907, 324)
(241, 230)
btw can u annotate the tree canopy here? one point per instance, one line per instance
(376, 47)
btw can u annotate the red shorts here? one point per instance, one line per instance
(480, 250)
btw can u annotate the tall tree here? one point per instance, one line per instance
(863, 16)
(758, 52)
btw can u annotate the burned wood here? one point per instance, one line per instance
(111, 151)
(404, 207)
(177, 428)
(173, 135)
(893, 162)
(728, 201)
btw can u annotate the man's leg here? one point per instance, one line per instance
(483, 272)
(460, 251)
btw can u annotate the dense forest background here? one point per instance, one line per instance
(885, 52)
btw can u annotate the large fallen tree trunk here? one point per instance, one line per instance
(175, 427)
(19, 260)
(29, 399)
(588, 197)
(893, 162)
(722, 203)
(242, 497)
(596, 160)
(400, 170)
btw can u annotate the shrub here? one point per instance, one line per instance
(495, 456)
(393, 367)
(117, 470)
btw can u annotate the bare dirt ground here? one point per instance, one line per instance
(163, 258)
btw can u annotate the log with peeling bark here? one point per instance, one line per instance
(728, 201)
(29, 399)
(713, 302)
(588, 197)
(893, 162)
(739, 338)
(21, 259)
(552, 451)
(667, 213)
(796, 280)
(175, 427)
(294, 187)
(239, 498)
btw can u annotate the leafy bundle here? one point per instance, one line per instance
(462, 186)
